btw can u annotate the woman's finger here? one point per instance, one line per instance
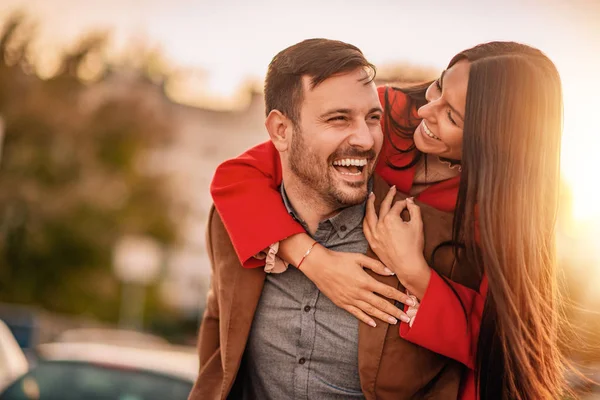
(384, 208)
(371, 219)
(398, 207)
(374, 265)
(391, 293)
(384, 306)
(361, 316)
(415, 212)
(376, 311)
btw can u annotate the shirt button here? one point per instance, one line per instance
(302, 361)
(307, 308)
(343, 228)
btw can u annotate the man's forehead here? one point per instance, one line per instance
(360, 74)
(350, 90)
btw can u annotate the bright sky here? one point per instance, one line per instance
(235, 39)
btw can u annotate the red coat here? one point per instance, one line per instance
(246, 195)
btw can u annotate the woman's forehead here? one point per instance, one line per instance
(455, 81)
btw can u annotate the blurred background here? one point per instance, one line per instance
(115, 114)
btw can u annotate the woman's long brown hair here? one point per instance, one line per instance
(505, 216)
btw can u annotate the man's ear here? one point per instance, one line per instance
(280, 130)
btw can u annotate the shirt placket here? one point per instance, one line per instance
(306, 343)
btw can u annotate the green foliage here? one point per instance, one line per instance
(70, 180)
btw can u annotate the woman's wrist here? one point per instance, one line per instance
(299, 266)
(293, 249)
(313, 262)
(418, 280)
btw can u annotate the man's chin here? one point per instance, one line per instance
(351, 194)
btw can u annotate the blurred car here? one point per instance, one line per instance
(92, 371)
(119, 337)
(76, 380)
(12, 360)
(24, 323)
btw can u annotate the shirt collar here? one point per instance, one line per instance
(343, 222)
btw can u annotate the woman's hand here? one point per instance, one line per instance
(398, 243)
(340, 276)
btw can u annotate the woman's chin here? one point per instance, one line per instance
(437, 149)
(425, 147)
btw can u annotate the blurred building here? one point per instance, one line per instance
(205, 138)
(201, 139)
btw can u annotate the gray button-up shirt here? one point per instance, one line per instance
(301, 345)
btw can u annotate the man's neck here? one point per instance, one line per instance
(307, 204)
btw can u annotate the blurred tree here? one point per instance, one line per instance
(72, 178)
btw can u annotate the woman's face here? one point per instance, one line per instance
(441, 130)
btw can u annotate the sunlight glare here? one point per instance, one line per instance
(581, 139)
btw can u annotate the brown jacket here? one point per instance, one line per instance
(389, 366)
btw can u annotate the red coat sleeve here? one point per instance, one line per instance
(440, 323)
(246, 194)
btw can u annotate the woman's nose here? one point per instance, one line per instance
(428, 111)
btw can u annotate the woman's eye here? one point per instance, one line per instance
(438, 85)
(376, 117)
(450, 118)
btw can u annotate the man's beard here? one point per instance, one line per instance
(316, 174)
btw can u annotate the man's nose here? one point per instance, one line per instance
(362, 137)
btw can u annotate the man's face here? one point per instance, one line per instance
(334, 149)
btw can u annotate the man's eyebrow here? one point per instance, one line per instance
(450, 105)
(347, 111)
(336, 111)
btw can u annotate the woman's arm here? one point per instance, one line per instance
(246, 195)
(442, 325)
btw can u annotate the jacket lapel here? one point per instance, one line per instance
(371, 340)
(239, 305)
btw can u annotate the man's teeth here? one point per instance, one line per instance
(428, 132)
(347, 162)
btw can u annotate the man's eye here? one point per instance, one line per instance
(338, 118)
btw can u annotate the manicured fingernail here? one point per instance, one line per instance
(371, 194)
(388, 271)
(411, 302)
(393, 187)
(372, 323)
(405, 318)
(410, 200)
(392, 320)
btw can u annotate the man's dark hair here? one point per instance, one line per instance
(318, 59)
